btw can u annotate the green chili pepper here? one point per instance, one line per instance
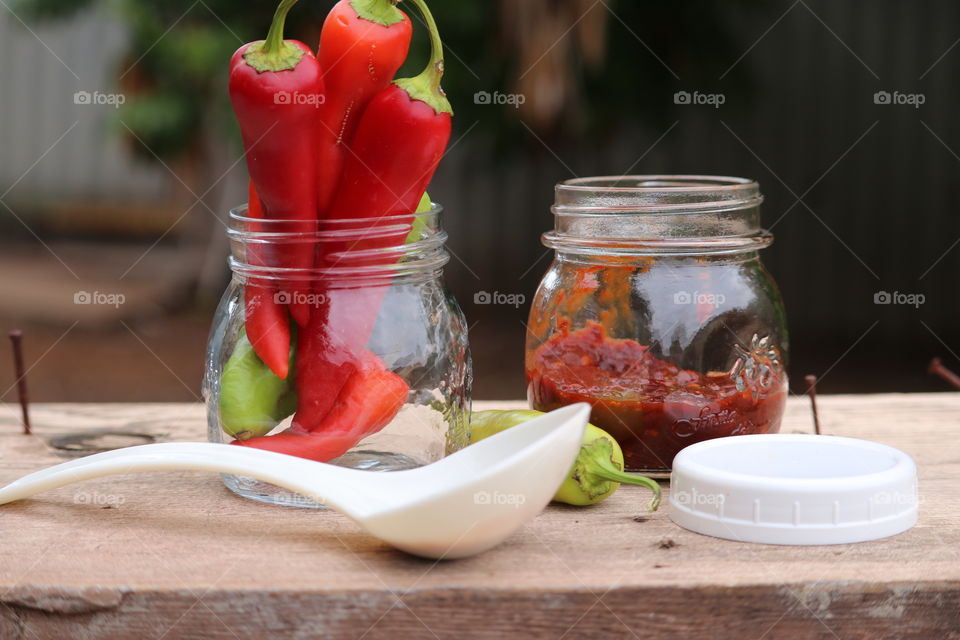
(253, 400)
(597, 471)
(418, 222)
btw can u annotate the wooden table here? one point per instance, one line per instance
(175, 555)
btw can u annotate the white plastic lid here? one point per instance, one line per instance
(793, 489)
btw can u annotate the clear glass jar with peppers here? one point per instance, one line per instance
(340, 155)
(658, 312)
(406, 400)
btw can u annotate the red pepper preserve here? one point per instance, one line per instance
(658, 312)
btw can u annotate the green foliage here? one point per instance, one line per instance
(157, 118)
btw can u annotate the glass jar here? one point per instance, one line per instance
(658, 312)
(379, 367)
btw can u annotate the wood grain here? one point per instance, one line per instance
(175, 555)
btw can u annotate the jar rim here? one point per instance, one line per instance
(654, 193)
(643, 215)
(684, 182)
(353, 250)
(239, 223)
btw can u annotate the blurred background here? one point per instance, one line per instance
(120, 158)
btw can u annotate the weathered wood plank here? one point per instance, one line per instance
(143, 554)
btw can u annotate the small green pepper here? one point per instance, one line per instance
(597, 471)
(418, 222)
(253, 400)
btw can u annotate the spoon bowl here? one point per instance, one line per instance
(459, 506)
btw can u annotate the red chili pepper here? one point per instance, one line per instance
(362, 44)
(267, 322)
(399, 141)
(276, 87)
(368, 402)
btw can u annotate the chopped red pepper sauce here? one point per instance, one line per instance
(652, 407)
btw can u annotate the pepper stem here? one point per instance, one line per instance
(274, 53)
(383, 12)
(603, 467)
(426, 86)
(275, 35)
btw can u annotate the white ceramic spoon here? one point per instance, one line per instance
(464, 504)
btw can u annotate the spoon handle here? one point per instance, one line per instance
(346, 490)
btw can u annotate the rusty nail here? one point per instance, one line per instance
(812, 390)
(936, 367)
(16, 339)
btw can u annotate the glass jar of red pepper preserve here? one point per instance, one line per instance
(658, 312)
(338, 341)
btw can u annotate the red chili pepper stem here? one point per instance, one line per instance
(426, 86)
(274, 53)
(383, 13)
